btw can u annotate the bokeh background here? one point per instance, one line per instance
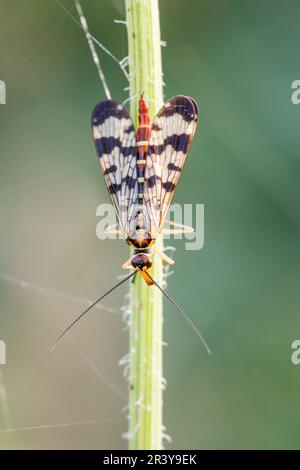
(237, 58)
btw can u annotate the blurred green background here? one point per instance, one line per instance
(237, 58)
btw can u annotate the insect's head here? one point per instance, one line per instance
(141, 261)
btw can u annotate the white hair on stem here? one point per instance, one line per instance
(121, 22)
(130, 98)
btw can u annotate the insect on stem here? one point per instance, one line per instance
(142, 156)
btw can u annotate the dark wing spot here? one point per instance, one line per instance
(151, 181)
(114, 188)
(129, 129)
(180, 105)
(130, 182)
(110, 169)
(106, 145)
(179, 143)
(168, 186)
(171, 167)
(106, 109)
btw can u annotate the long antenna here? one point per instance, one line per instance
(183, 314)
(92, 48)
(91, 306)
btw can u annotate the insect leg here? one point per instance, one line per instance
(113, 230)
(179, 228)
(163, 256)
(133, 279)
(127, 264)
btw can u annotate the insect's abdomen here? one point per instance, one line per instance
(142, 144)
(139, 233)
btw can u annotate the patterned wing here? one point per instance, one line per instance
(170, 139)
(114, 137)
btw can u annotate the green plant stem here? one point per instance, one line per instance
(145, 375)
